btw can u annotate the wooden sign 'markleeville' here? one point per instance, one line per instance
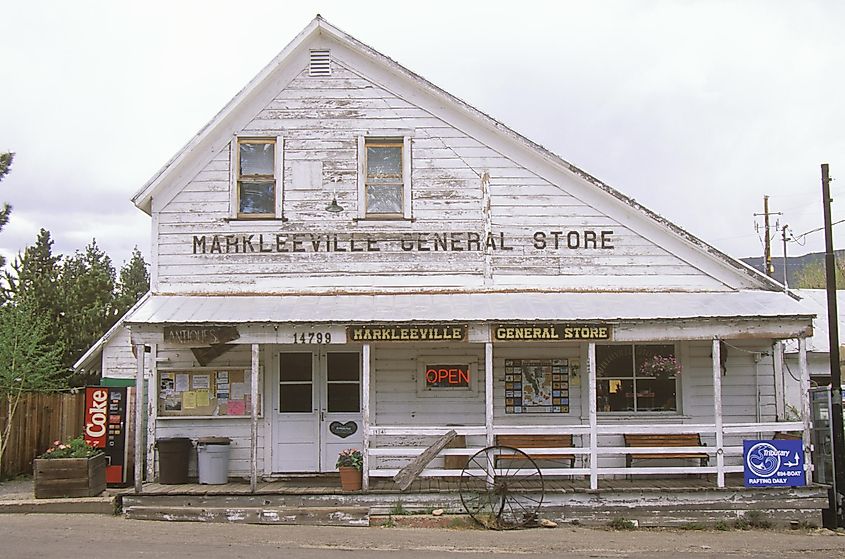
(415, 333)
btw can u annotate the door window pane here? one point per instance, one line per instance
(343, 366)
(344, 397)
(295, 398)
(295, 366)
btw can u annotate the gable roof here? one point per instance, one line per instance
(218, 132)
(96, 349)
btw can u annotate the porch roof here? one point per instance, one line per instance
(466, 307)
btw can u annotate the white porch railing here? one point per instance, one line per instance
(587, 452)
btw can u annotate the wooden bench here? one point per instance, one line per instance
(665, 440)
(527, 442)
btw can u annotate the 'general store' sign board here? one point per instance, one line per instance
(541, 332)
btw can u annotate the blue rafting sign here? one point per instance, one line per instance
(773, 463)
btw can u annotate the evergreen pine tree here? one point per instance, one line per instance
(87, 286)
(133, 284)
(6, 210)
(34, 279)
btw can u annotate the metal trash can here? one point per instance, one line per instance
(173, 456)
(213, 460)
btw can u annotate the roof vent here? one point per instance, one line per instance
(320, 63)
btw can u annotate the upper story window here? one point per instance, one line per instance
(258, 178)
(384, 178)
(636, 378)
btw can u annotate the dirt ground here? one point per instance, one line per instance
(97, 536)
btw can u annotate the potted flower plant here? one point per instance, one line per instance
(71, 469)
(350, 462)
(661, 367)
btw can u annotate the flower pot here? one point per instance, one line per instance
(350, 479)
(69, 477)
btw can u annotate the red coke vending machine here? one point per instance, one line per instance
(106, 428)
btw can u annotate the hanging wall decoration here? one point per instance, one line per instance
(537, 386)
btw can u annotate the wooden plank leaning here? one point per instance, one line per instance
(406, 476)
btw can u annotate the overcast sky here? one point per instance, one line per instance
(696, 109)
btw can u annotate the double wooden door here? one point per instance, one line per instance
(316, 408)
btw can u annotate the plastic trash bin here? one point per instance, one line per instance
(173, 456)
(213, 460)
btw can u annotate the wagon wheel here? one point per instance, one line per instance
(501, 488)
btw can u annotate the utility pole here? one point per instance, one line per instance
(767, 253)
(767, 243)
(835, 372)
(785, 264)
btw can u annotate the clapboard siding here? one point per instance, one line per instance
(238, 430)
(320, 119)
(118, 361)
(394, 387)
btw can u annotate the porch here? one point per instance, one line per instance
(679, 501)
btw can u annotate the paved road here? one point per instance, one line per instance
(102, 537)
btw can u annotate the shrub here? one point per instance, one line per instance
(74, 448)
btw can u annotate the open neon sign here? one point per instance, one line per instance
(447, 376)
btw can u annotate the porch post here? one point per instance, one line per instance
(594, 440)
(139, 417)
(805, 407)
(152, 412)
(717, 412)
(365, 415)
(253, 431)
(780, 392)
(488, 393)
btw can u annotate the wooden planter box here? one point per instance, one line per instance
(69, 477)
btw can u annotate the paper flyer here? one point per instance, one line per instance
(200, 381)
(189, 400)
(182, 382)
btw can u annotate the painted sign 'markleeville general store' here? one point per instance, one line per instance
(458, 241)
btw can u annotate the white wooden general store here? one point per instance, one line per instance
(349, 256)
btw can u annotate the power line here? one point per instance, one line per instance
(802, 235)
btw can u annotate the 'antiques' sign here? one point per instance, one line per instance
(416, 333)
(447, 376)
(550, 332)
(200, 335)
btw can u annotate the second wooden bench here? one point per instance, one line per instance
(665, 441)
(526, 442)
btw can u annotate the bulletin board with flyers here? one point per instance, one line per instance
(204, 392)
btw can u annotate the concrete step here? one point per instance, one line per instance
(306, 516)
(79, 505)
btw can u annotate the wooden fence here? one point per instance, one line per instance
(40, 419)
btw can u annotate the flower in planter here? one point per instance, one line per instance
(74, 448)
(350, 458)
(661, 367)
